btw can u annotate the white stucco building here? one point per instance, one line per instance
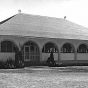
(36, 35)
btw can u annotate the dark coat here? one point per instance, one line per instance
(51, 58)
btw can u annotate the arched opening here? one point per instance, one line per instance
(30, 51)
(47, 49)
(83, 48)
(67, 48)
(82, 52)
(8, 46)
(67, 52)
(8, 50)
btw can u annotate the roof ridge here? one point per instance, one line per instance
(41, 16)
(53, 18)
(7, 19)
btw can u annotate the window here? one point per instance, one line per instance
(3, 46)
(49, 47)
(32, 48)
(7, 46)
(33, 54)
(67, 48)
(82, 49)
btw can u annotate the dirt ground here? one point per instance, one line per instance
(44, 77)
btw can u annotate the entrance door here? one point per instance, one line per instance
(27, 52)
(30, 52)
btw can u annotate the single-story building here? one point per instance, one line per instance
(37, 35)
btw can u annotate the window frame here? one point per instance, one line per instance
(33, 53)
(7, 47)
(67, 49)
(83, 49)
(48, 48)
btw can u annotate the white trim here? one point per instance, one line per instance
(24, 53)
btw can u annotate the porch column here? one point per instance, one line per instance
(40, 54)
(75, 58)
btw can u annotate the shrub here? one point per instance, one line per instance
(20, 64)
(2, 64)
(18, 60)
(10, 63)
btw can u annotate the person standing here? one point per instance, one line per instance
(50, 60)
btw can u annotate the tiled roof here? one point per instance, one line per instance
(42, 26)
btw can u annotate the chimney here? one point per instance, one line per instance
(19, 11)
(64, 17)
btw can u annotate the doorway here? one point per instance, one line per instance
(30, 52)
(27, 52)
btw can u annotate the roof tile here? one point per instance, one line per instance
(42, 26)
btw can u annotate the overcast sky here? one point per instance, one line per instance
(75, 10)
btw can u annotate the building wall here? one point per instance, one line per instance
(61, 57)
(5, 56)
(67, 56)
(82, 56)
